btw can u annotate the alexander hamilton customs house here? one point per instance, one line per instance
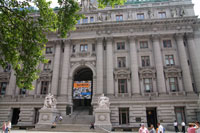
(143, 55)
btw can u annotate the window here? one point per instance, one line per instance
(44, 87)
(167, 43)
(3, 86)
(121, 61)
(162, 14)
(119, 17)
(169, 60)
(73, 48)
(120, 45)
(140, 16)
(180, 114)
(47, 66)
(148, 85)
(85, 20)
(93, 47)
(145, 61)
(91, 19)
(173, 83)
(79, 22)
(122, 85)
(84, 47)
(49, 50)
(123, 116)
(143, 44)
(8, 68)
(22, 91)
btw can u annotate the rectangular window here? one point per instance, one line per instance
(91, 19)
(180, 114)
(122, 85)
(22, 91)
(169, 60)
(93, 47)
(173, 83)
(120, 45)
(47, 66)
(143, 44)
(44, 87)
(140, 16)
(145, 61)
(121, 61)
(119, 17)
(73, 48)
(148, 86)
(79, 22)
(83, 47)
(123, 116)
(167, 43)
(162, 14)
(85, 20)
(3, 86)
(49, 50)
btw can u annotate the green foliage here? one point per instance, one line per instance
(104, 3)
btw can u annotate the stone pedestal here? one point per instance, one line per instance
(47, 117)
(102, 118)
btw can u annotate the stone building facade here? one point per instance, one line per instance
(142, 55)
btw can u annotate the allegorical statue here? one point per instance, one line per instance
(103, 102)
(50, 102)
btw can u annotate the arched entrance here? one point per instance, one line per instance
(82, 88)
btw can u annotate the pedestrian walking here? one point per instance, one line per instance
(9, 126)
(3, 127)
(160, 128)
(152, 129)
(183, 126)
(176, 126)
(92, 126)
(143, 129)
(191, 128)
(197, 126)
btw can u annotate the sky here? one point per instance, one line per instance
(195, 2)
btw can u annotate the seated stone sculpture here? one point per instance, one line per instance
(50, 102)
(103, 102)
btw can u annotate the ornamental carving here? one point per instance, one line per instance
(46, 75)
(5, 76)
(147, 72)
(83, 54)
(172, 71)
(122, 73)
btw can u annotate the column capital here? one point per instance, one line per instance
(109, 39)
(131, 38)
(179, 36)
(190, 36)
(155, 37)
(57, 42)
(67, 41)
(99, 40)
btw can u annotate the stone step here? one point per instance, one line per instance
(78, 119)
(72, 128)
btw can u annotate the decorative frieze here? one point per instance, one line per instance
(122, 73)
(172, 71)
(147, 72)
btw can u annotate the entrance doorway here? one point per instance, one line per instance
(82, 89)
(151, 116)
(15, 116)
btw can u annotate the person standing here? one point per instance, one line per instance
(183, 126)
(3, 127)
(160, 128)
(176, 126)
(191, 128)
(152, 129)
(143, 129)
(9, 126)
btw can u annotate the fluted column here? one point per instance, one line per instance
(109, 66)
(56, 67)
(194, 60)
(12, 84)
(65, 68)
(134, 67)
(159, 65)
(99, 65)
(184, 64)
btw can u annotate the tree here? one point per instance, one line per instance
(23, 33)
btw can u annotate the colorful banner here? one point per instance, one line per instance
(82, 90)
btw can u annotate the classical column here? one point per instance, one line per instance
(159, 65)
(134, 66)
(109, 67)
(56, 68)
(12, 84)
(99, 65)
(184, 64)
(65, 68)
(194, 60)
